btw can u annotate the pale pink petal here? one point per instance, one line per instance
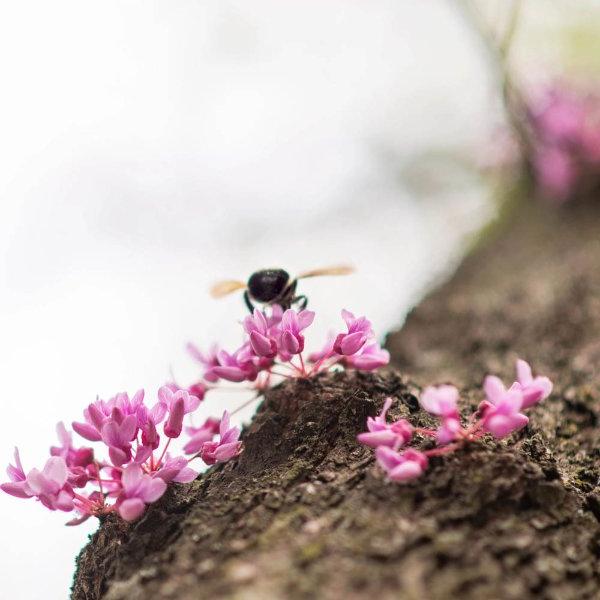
(387, 457)
(154, 490)
(494, 388)
(18, 489)
(305, 318)
(186, 475)
(132, 476)
(407, 471)
(55, 469)
(524, 372)
(86, 431)
(131, 509)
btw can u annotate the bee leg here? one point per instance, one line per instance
(247, 301)
(303, 300)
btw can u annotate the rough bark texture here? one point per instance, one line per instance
(305, 513)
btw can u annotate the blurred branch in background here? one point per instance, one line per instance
(554, 145)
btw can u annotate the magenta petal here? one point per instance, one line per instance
(185, 475)
(195, 444)
(55, 469)
(290, 343)
(494, 388)
(129, 428)
(192, 403)
(305, 318)
(18, 489)
(117, 456)
(86, 431)
(64, 501)
(111, 434)
(502, 425)
(405, 472)
(78, 520)
(352, 343)
(131, 509)
(174, 424)
(227, 451)
(387, 457)
(155, 489)
(96, 417)
(234, 374)
(262, 345)
(385, 437)
(132, 476)
(158, 412)
(142, 454)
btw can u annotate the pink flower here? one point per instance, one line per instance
(359, 331)
(534, 390)
(167, 398)
(561, 118)
(291, 326)
(138, 489)
(117, 433)
(197, 389)
(226, 448)
(368, 358)
(100, 412)
(176, 469)
(556, 172)
(401, 467)
(96, 414)
(201, 435)
(500, 414)
(263, 343)
(18, 484)
(208, 360)
(50, 485)
(441, 401)
(80, 457)
(381, 433)
(236, 367)
(174, 423)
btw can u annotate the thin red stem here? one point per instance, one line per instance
(98, 478)
(84, 500)
(248, 402)
(302, 364)
(162, 455)
(442, 450)
(424, 431)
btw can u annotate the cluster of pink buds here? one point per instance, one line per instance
(499, 415)
(274, 346)
(137, 466)
(135, 470)
(565, 132)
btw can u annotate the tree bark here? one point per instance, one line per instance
(305, 513)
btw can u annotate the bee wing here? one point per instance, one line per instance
(223, 288)
(334, 270)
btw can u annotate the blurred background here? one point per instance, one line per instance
(149, 148)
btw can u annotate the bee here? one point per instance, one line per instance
(274, 286)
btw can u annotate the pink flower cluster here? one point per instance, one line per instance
(274, 341)
(565, 130)
(499, 415)
(136, 470)
(137, 466)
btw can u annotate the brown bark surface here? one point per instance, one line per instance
(305, 513)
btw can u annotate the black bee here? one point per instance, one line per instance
(274, 286)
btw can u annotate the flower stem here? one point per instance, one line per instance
(157, 465)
